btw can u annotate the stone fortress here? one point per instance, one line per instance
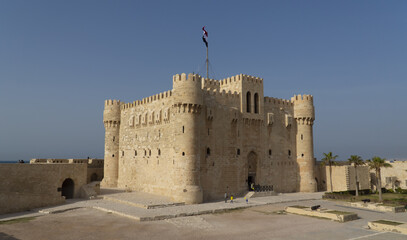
(206, 137)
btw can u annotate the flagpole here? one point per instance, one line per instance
(207, 63)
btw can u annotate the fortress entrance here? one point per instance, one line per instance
(68, 188)
(93, 177)
(252, 168)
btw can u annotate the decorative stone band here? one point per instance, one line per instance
(112, 124)
(305, 121)
(187, 108)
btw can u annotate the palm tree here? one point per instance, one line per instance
(376, 163)
(356, 161)
(329, 160)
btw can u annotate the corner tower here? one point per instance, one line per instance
(188, 100)
(304, 115)
(111, 120)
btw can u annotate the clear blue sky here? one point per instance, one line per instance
(59, 61)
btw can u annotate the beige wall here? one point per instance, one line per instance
(393, 177)
(163, 140)
(94, 165)
(27, 186)
(343, 178)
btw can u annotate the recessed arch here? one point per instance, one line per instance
(68, 187)
(256, 103)
(251, 169)
(248, 101)
(93, 177)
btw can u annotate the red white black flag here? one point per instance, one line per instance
(205, 36)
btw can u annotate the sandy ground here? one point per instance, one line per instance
(261, 222)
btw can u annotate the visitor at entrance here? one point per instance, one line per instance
(252, 186)
(226, 197)
(231, 199)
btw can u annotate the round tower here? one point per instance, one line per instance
(111, 120)
(188, 120)
(304, 115)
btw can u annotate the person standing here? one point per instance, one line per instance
(226, 197)
(231, 199)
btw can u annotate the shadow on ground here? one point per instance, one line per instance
(4, 236)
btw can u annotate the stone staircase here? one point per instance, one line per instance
(253, 194)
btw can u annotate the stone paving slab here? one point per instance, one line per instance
(143, 200)
(143, 214)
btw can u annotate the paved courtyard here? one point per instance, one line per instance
(263, 220)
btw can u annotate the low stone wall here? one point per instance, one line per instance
(27, 186)
(323, 213)
(388, 226)
(377, 207)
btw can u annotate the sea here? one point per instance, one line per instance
(13, 162)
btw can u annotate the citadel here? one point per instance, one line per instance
(206, 137)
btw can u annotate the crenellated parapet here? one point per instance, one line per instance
(304, 112)
(157, 97)
(278, 101)
(223, 93)
(241, 78)
(111, 113)
(210, 84)
(187, 89)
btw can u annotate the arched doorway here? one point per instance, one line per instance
(252, 168)
(68, 188)
(93, 177)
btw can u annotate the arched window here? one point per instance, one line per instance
(159, 152)
(208, 151)
(135, 152)
(256, 103)
(238, 151)
(248, 101)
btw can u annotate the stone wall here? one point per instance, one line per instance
(27, 186)
(393, 177)
(343, 178)
(207, 137)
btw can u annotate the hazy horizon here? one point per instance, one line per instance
(59, 61)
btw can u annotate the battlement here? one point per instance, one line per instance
(277, 101)
(184, 77)
(150, 99)
(241, 77)
(302, 98)
(91, 162)
(223, 93)
(111, 102)
(303, 107)
(210, 83)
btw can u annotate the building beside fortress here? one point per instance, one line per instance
(206, 137)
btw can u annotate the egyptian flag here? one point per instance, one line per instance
(205, 36)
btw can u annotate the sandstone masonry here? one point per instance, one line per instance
(206, 137)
